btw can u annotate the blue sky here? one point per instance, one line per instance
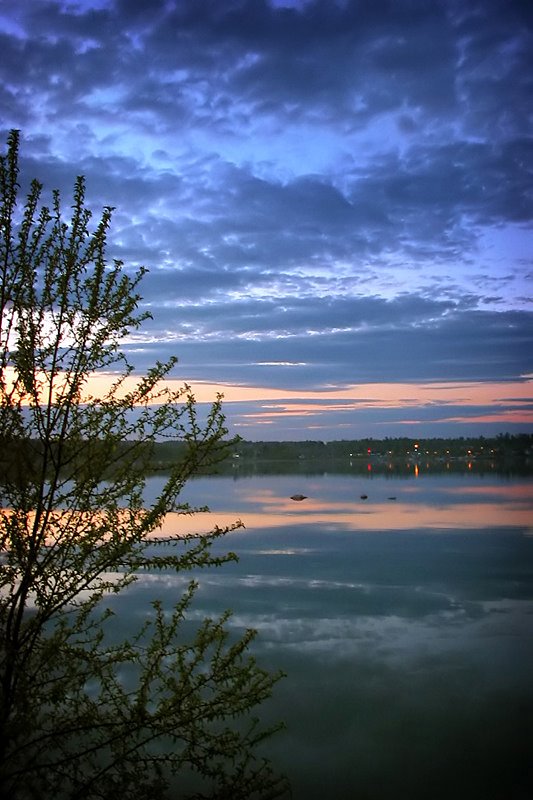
(334, 199)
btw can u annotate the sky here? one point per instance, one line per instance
(334, 198)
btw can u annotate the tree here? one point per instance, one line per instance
(74, 528)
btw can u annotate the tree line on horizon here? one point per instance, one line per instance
(460, 446)
(500, 449)
(159, 456)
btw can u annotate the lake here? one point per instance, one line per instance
(403, 619)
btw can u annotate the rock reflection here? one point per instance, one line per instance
(453, 507)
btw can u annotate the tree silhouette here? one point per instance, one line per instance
(74, 527)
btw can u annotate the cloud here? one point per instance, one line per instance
(340, 343)
(342, 185)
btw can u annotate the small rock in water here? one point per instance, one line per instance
(298, 497)
(364, 497)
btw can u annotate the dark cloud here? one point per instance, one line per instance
(340, 346)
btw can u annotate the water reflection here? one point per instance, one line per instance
(336, 502)
(404, 626)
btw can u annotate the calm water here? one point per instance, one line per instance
(404, 622)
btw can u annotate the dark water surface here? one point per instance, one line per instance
(404, 622)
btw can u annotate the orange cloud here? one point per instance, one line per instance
(274, 403)
(374, 395)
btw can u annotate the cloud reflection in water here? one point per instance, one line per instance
(404, 627)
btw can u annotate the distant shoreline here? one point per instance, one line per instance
(502, 454)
